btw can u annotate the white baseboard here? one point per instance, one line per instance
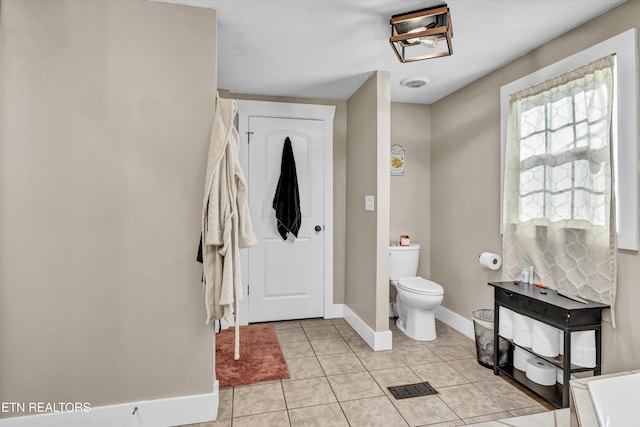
(457, 322)
(334, 311)
(151, 413)
(377, 340)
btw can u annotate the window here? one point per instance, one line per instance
(558, 186)
(563, 138)
(554, 157)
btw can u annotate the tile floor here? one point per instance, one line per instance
(337, 380)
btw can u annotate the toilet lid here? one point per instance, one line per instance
(418, 285)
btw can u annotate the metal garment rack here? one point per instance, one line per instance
(557, 311)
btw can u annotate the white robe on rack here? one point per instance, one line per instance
(226, 222)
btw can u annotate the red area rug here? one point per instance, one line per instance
(261, 357)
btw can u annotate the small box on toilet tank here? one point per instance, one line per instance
(404, 240)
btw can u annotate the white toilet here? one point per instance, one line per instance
(417, 297)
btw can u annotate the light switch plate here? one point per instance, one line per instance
(369, 203)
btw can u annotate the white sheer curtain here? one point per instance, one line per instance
(559, 208)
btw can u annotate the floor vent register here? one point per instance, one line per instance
(412, 390)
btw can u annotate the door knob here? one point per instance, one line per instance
(318, 228)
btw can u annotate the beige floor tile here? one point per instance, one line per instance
(308, 392)
(470, 346)
(304, 367)
(295, 349)
(490, 417)
(346, 331)
(225, 403)
(401, 340)
(394, 377)
(286, 324)
(291, 334)
(256, 399)
(507, 395)
(322, 415)
(418, 411)
(527, 411)
(269, 419)
(468, 401)
(472, 370)
(328, 381)
(356, 385)
(311, 323)
(439, 374)
(545, 419)
(340, 363)
(379, 360)
(489, 424)
(447, 333)
(453, 350)
(330, 346)
(358, 344)
(416, 355)
(322, 332)
(372, 412)
(448, 424)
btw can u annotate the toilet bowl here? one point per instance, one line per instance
(417, 297)
(417, 300)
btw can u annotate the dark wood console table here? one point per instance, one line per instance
(555, 310)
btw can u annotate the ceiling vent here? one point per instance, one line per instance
(415, 82)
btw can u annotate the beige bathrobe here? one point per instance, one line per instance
(226, 222)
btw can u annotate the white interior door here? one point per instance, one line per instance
(286, 277)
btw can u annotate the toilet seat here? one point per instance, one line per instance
(419, 285)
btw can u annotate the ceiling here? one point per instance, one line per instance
(328, 48)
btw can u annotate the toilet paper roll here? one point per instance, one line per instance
(520, 357)
(540, 372)
(522, 330)
(505, 327)
(583, 348)
(583, 339)
(490, 261)
(522, 337)
(560, 376)
(544, 339)
(582, 356)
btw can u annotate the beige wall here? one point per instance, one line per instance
(383, 199)
(367, 238)
(339, 178)
(106, 111)
(410, 126)
(465, 186)
(410, 193)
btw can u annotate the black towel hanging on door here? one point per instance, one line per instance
(286, 201)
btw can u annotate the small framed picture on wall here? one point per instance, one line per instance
(397, 160)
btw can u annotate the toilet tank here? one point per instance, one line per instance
(403, 261)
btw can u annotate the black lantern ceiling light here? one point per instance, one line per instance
(422, 34)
